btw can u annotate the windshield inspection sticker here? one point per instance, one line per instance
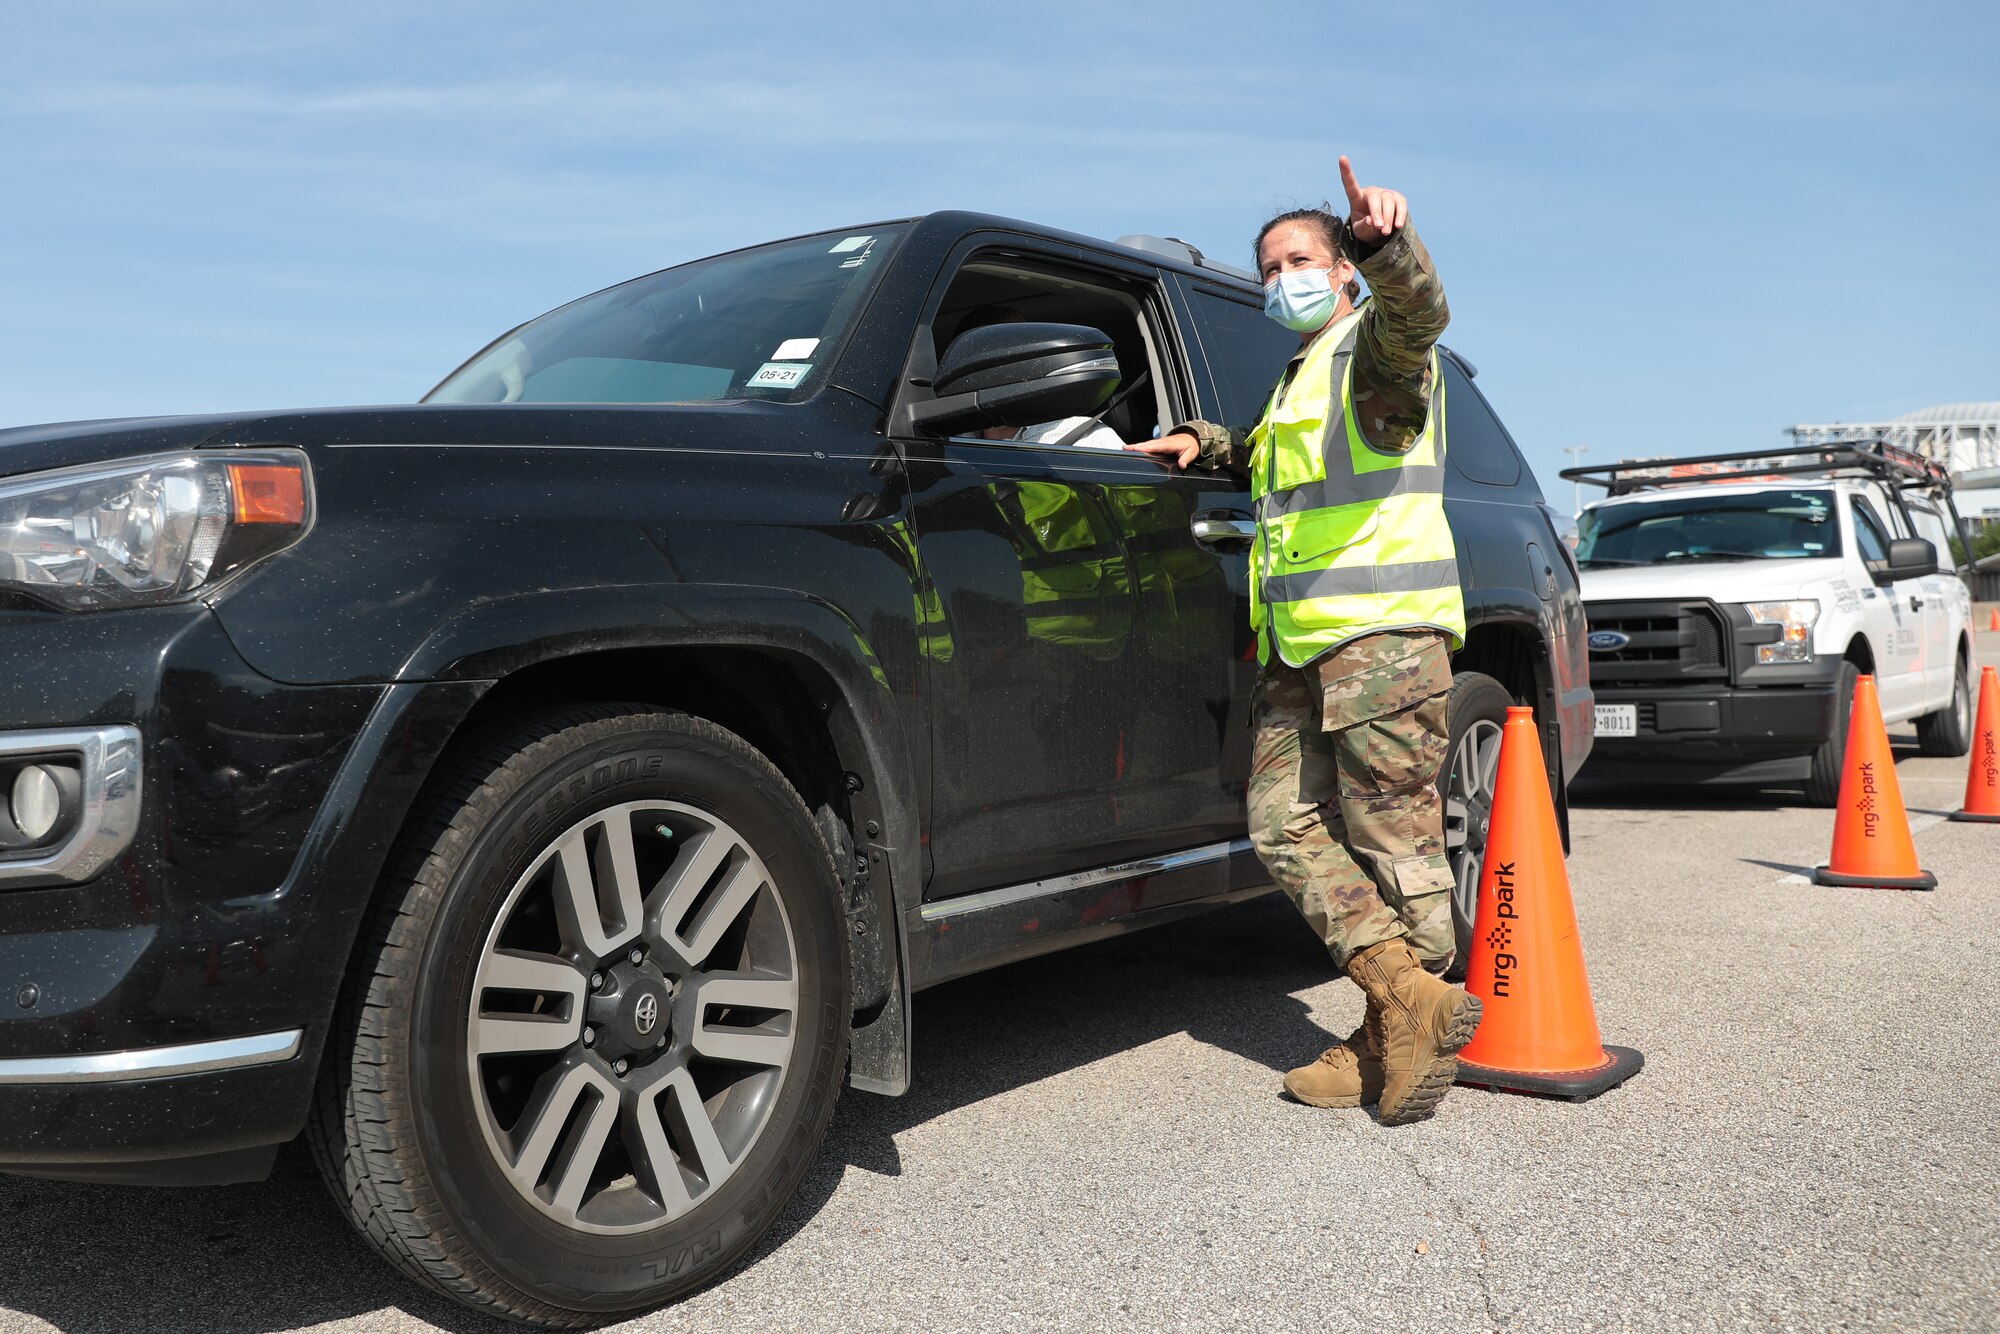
(851, 243)
(795, 349)
(779, 375)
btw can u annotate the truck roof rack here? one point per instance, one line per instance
(1868, 458)
(1172, 247)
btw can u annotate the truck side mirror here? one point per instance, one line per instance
(1909, 558)
(1018, 375)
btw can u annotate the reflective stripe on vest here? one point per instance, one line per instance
(1350, 539)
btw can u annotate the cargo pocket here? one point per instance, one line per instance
(1387, 717)
(1421, 898)
(1367, 678)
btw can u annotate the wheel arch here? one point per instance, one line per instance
(1514, 652)
(792, 675)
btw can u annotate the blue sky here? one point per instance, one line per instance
(1664, 228)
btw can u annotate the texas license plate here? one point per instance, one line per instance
(1618, 720)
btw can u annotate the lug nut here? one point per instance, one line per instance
(619, 1066)
(596, 981)
(637, 955)
(662, 1042)
(589, 1036)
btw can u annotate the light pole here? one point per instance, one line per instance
(1579, 451)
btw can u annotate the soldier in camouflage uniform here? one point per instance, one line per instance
(1345, 809)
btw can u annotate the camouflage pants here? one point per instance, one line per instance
(1344, 803)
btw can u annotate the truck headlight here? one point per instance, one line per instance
(148, 530)
(1795, 619)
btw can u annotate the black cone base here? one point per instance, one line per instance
(1620, 1064)
(1921, 880)
(1971, 818)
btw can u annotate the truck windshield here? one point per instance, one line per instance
(1691, 526)
(764, 323)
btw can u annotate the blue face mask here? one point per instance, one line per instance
(1301, 300)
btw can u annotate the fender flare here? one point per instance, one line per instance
(443, 679)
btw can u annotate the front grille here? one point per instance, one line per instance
(1667, 643)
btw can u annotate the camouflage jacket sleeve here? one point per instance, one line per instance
(1223, 448)
(1399, 327)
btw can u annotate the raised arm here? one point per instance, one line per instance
(1400, 325)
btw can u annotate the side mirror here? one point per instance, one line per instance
(1017, 375)
(1909, 558)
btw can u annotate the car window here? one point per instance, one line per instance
(760, 323)
(1931, 527)
(1477, 446)
(1000, 289)
(1246, 353)
(1696, 524)
(1869, 534)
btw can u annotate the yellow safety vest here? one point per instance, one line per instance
(1350, 539)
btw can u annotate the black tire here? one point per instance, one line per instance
(1822, 785)
(1948, 732)
(403, 1127)
(1475, 714)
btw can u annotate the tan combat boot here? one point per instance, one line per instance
(1347, 1074)
(1424, 1022)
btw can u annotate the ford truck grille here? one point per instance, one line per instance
(1663, 643)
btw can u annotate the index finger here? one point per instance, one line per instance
(1349, 184)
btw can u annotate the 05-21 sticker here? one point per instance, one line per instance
(779, 375)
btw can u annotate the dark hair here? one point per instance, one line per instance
(1332, 228)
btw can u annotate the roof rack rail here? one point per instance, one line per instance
(1869, 458)
(1172, 247)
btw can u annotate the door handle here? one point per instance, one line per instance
(1223, 528)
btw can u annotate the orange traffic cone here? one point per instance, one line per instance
(1872, 847)
(1993, 619)
(1982, 780)
(1539, 1030)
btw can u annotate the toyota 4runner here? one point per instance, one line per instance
(546, 796)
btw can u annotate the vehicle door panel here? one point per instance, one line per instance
(1895, 626)
(1083, 689)
(1942, 594)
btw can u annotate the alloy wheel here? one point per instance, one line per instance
(1468, 811)
(633, 1017)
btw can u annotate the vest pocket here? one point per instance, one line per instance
(1317, 534)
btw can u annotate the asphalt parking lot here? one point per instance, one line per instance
(1096, 1139)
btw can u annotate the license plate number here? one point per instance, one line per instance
(1618, 720)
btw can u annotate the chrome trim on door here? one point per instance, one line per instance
(1220, 527)
(110, 771)
(193, 1058)
(1103, 875)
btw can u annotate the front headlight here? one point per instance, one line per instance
(1796, 619)
(148, 530)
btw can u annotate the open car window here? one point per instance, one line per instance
(1003, 290)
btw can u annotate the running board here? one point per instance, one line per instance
(957, 936)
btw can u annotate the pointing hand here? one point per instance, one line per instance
(1374, 214)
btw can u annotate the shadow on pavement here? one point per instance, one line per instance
(1223, 978)
(1588, 791)
(228, 1259)
(278, 1254)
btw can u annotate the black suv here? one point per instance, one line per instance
(545, 796)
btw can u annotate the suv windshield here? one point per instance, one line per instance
(753, 324)
(1686, 526)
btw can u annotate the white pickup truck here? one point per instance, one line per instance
(1733, 601)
